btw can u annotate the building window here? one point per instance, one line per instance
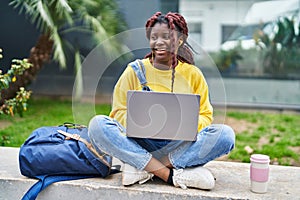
(227, 30)
(195, 31)
(169, 6)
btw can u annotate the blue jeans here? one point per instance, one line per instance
(109, 136)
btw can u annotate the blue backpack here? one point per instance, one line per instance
(60, 153)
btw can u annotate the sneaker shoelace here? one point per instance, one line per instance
(144, 180)
(180, 181)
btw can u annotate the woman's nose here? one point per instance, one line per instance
(159, 40)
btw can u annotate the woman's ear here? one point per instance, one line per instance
(180, 40)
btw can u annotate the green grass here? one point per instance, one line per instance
(274, 134)
(44, 112)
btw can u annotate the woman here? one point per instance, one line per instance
(169, 68)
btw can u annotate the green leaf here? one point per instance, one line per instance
(79, 79)
(59, 53)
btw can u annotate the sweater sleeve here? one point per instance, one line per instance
(127, 81)
(206, 109)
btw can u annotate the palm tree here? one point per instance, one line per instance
(57, 18)
(281, 51)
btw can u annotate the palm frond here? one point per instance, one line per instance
(79, 78)
(64, 10)
(96, 26)
(59, 53)
(38, 12)
(87, 3)
(63, 5)
(45, 19)
(22, 5)
(61, 18)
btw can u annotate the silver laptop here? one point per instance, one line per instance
(160, 115)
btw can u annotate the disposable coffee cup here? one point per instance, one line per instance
(259, 173)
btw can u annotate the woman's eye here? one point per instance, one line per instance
(166, 36)
(153, 37)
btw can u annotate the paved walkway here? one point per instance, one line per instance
(232, 183)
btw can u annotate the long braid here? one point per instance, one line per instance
(172, 49)
(176, 22)
(184, 53)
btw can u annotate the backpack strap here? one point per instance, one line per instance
(140, 72)
(46, 180)
(84, 141)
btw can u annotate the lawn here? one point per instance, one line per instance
(42, 112)
(272, 133)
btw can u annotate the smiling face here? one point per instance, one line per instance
(160, 43)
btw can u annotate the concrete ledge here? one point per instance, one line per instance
(232, 183)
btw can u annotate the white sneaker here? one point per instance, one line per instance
(131, 175)
(198, 177)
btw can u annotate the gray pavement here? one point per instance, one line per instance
(232, 183)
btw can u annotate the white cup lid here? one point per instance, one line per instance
(260, 158)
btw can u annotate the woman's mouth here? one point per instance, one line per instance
(160, 50)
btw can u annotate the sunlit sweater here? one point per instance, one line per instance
(188, 79)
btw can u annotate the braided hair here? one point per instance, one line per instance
(175, 22)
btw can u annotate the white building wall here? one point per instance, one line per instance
(212, 15)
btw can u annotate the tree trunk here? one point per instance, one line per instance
(39, 55)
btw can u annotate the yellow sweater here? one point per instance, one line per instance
(188, 79)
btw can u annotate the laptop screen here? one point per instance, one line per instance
(159, 115)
